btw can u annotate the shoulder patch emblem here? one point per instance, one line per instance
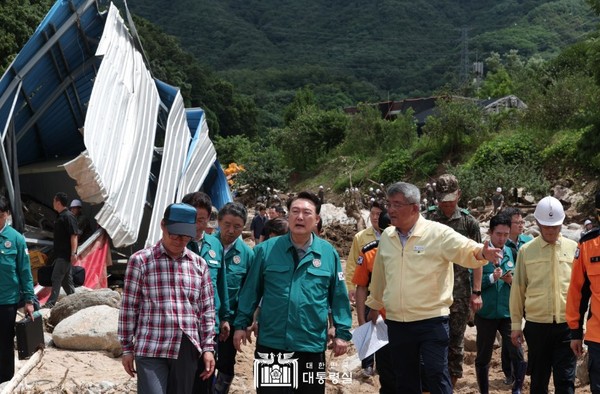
(577, 253)
(359, 261)
(510, 264)
(237, 259)
(212, 253)
(341, 276)
(316, 263)
(369, 246)
(7, 244)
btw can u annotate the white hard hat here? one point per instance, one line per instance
(499, 190)
(427, 185)
(549, 212)
(75, 203)
(377, 191)
(588, 221)
(320, 187)
(268, 188)
(370, 189)
(433, 184)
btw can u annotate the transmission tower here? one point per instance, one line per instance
(464, 56)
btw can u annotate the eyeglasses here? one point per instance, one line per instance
(518, 222)
(179, 237)
(397, 205)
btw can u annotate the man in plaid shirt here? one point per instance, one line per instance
(167, 318)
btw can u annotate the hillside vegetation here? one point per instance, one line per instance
(274, 105)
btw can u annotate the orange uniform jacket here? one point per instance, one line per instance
(364, 267)
(585, 284)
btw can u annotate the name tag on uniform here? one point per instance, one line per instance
(419, 248)
(595, 259)
(213, 262)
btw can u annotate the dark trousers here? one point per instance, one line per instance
(169, 376)
(205, 386)
(385, 369)
(594, 366)
(226, 358)
(61, 277)
(486, 335)
(549, 351)
(309, 369)
(424, 338)
(8, 315)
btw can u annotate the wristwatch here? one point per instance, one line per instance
(476, 292)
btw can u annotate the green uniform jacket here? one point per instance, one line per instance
(211, 251)
(495, 295)
(237, 262)
(15, 270)
(295, 302)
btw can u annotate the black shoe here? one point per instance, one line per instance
(509, 380)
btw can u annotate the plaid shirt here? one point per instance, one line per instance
(164, 298)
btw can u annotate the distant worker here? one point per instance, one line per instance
(84, 225)
(587, 227)
(497, 201)
(65, 249)
(258, 222)
(321, 194)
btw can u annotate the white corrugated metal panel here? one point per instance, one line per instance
(201, 156)
(177, 141)
(119, 132)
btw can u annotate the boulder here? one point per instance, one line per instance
(93, 328)
(81, 300)
(470, 339)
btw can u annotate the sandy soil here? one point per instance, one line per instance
(62, 371)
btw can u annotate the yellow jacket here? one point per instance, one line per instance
(361, 238)
(420, 274)
(541, 281)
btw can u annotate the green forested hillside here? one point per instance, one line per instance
(402, 48)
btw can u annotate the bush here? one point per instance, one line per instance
(509, 149)
(395, 167)
(562, 153)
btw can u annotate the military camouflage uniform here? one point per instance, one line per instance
(462, 222)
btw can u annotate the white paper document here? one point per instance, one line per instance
(370, 337)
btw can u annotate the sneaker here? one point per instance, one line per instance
(368, 371)
(509, 380)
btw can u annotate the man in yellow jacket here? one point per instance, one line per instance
(415, 258)
(539, 293)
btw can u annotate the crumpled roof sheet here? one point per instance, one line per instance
(177, 141)
(78, 87)
(119, 133)
(51, 79)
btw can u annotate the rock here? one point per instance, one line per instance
(528, 199)
(93, 328)
(470, 339)
(330, 213)
(81, 300)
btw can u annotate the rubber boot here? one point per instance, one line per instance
(222, 383)
(483, 379)
(520, 369)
